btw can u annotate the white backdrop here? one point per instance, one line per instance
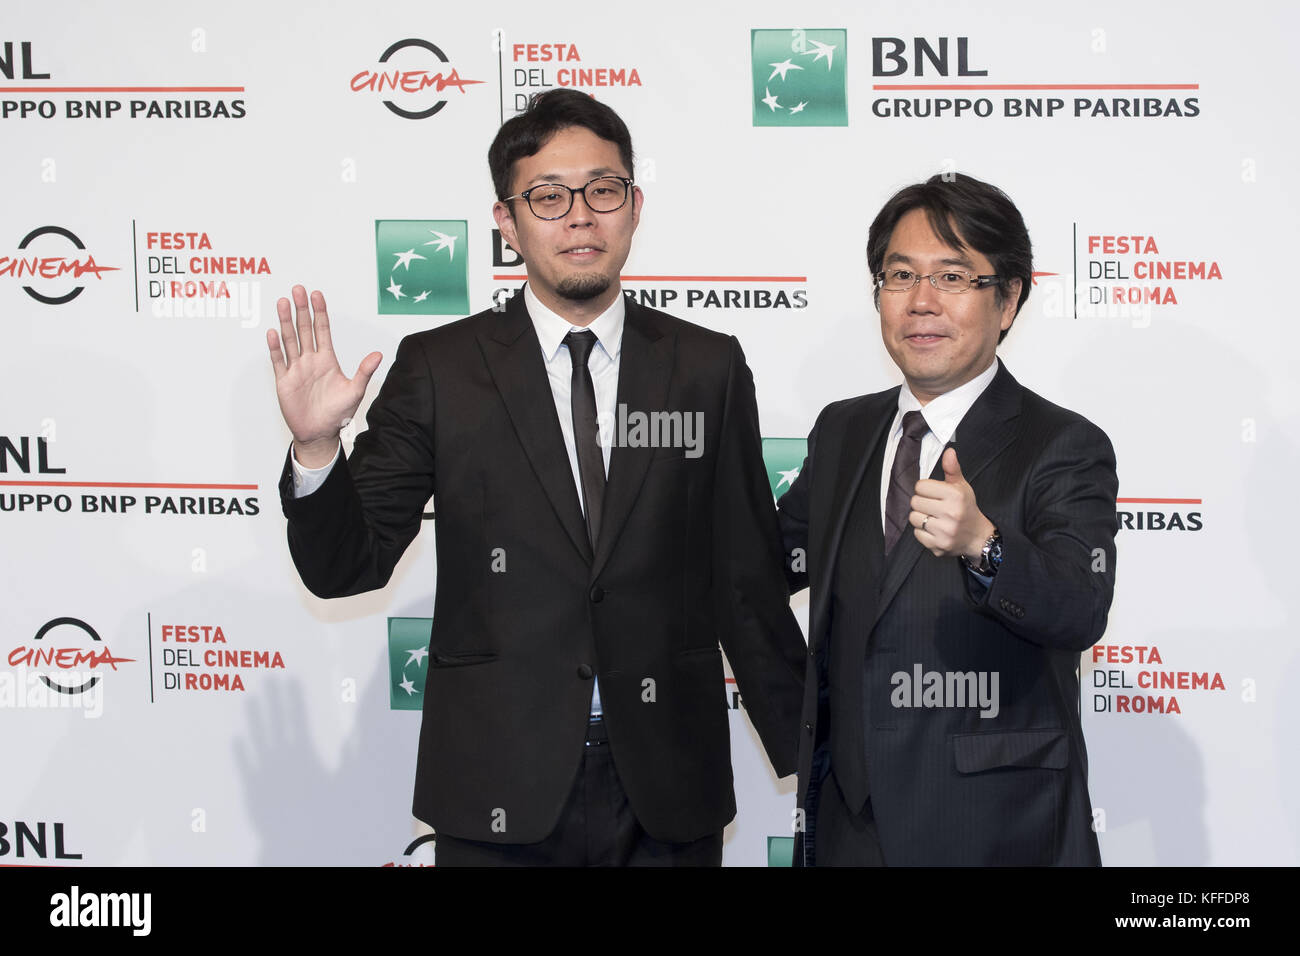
(122, 398)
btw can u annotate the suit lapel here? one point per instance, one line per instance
(514, 359)
(861, 436)
(644, 374)
(982, 434)
(989, 426)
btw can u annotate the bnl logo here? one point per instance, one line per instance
(21, 456)
(890, 56)
(8, 63)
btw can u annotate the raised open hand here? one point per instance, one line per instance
(316, 398)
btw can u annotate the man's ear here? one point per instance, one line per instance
(1010, 302)
(638, 200)
(506, 223)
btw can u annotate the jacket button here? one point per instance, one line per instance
(585, 672)
(807, 728)
(597, 594)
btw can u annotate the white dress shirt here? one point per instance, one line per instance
(941, 416)
(602, 364)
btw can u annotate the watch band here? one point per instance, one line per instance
(990, 556)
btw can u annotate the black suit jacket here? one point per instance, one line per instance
(689, 556)
(946, 785)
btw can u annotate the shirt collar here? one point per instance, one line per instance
(943, 413)
(552, 328)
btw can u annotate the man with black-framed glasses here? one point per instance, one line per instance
(574, 709)
(959, 539)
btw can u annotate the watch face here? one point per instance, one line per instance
(995, 552)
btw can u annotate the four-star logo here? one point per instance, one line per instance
(780, 851)
(799, 77)
(408, 661)
(422, 266)
(783, 458)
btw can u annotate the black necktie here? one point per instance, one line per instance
(903, 478)
(591, 460)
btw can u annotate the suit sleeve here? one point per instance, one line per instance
(347, 536)
(792, 514)
(1057, 578)
(754, 622)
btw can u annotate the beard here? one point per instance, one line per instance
(580, 288)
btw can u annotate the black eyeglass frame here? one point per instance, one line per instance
(628, 185)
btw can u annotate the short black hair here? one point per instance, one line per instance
(548, 113)
(963, 211)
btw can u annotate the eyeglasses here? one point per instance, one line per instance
(554, 200)
(952, 280)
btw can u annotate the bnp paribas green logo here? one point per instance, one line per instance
(408, 661)
(800, 77)
(780, 851)
(422, 266)
(783, 458)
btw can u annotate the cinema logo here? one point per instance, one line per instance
(61, 668)
(126, 910)
(42, 493)
(946, 689)
(1158, 514)
(65, 655)
(187, 279)
(544, 66)
(419, 852)
(1120, 690)
(949, 66)
(196, 657)
(411, 77)
(50, 263)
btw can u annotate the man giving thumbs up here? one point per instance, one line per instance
(958, 534)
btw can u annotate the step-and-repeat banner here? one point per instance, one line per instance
(169, 691)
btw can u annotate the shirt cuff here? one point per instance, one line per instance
(307, 480)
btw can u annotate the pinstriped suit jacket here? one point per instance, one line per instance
(948, 786)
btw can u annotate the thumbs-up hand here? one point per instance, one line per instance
(951, 467)
(945, 517)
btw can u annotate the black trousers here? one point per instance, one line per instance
(596, 828)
